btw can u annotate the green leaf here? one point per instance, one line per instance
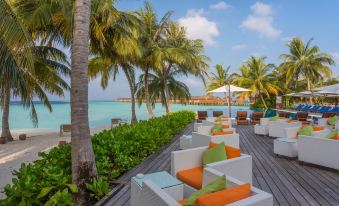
(45, 191)
(73, 188)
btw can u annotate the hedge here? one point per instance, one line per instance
(48, 181)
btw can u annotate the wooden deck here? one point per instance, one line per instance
(289, 182)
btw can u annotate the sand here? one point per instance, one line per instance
(13, 154)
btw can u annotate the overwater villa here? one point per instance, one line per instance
(131, 103)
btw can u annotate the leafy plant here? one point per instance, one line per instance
(48, 181)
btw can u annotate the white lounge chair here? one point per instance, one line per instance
(277, 128)
(239, 168)
(319, 151)
(152, 195)
(262, 128)
(203, 137)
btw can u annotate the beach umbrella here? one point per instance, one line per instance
(229, 89)
(332, 89)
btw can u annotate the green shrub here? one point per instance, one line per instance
(118, 150)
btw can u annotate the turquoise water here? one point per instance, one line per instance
(100, 113)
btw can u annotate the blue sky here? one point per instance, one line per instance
(234, 30)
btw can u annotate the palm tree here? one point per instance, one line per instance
(107, 69)
(83, 161)
(151, 36)
(164, 87)
(221, 78)
(307, 62)
(257, 76)
(27, 70)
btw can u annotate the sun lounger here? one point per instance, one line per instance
(65, 128)
(217, 113)
(242, 118)
(202, 115)
(256, 116)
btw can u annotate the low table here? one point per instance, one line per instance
(285, 147)
(172, 186)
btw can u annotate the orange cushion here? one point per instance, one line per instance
(181, 202)
(317, 128)
(293, 121)
(222, 133)
(225, 197)
(231, 152)
(336, 137)
(221, 120)
(192, 177)
(225, 126)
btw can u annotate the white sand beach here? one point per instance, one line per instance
(13, 154)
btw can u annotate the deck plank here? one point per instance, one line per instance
(289, 182)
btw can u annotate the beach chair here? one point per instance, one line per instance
(217, 113)
(115, 122)
(256, 116)
(284, 114)
(202, 115)
(65, 128)
(302, 117)
(242, 118)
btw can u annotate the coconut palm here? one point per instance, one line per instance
(221, 78)
(107, 68)
(257, 76)
(161, 84)
(151, 36)
(83, 162)
(307, 62)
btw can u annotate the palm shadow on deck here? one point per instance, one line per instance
(289, 182)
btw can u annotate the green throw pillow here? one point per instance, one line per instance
(332, 120)
(306, 131)
(274, 118)
(214, 154)
(215, 186)
(331, 134)
(217, 128)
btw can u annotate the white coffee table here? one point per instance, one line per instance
(286, 147)
(172, 186)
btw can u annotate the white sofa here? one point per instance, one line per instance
(239, 168)
(203, 137)
(262, 128)
(292, 132)
(152, 195)
(319, 151)
(337, 125)
(210, 121)
(277, 128)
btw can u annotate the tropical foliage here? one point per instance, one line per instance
(48, 180)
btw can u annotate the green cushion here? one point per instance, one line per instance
(332, 120)
(215, 186)
(331, 134)
(217, 128)
(306, 131)
(214, 154)
(274, 118)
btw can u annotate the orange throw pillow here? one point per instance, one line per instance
(225, 197)
(336, 137)
(182, 202)
(221, 120)
(222, 133)
(225, 126)
(317, 128)
(231, 152)
(192, 177)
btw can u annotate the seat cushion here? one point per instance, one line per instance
(317, 128)
(225, 197)
(191, 177)
(225, 126)
(231, 152)
(221, 133)
(336, 137)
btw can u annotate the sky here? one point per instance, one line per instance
(234, 30)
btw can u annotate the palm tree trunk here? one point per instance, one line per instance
(5, 132)
(263, 101)
(166, 90)
(309, 89)
(131, 86)
(83, 161)
(165, 100)
(147, 99)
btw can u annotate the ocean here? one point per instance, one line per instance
(100, 113)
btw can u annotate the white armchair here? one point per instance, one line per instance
(277, 128)
(337, 125)
(262, 128)
(319, 151)
(152, 195)
(200, 140)
(292, 132)
(239, 168)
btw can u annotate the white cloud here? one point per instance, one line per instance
(239, 47)
(199, 27)
(336, 57)
(220, 6)
(261, 20)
